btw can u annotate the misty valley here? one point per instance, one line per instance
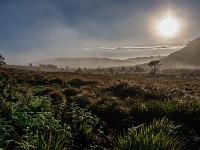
(99, 75)
(144, 107)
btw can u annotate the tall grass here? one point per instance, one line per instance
(160, 135)
(186, 112)
(44, 116)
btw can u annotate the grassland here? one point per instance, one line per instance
(60, 110)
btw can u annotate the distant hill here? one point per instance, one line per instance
(187, 57)
(95, 62)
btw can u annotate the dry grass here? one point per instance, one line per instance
(119, 100)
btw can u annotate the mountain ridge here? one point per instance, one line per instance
(187, 57)
(94, 62)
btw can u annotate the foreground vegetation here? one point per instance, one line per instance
(54, 111)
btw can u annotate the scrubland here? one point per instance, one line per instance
(61, 110)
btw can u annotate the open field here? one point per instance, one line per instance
(99, 75)
(60, 110)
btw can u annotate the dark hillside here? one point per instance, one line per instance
(187, 57)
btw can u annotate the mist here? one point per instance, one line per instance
(35, 30)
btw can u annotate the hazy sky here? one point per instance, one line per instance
(31, 30)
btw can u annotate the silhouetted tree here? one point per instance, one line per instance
(155, 66)
(2, 62)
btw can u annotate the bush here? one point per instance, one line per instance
(87, 130)
(34, 123)
(6, 132)
(82, 100)
(57, 81)
(124, 90)
(44, 91)
(57, 97)
(78, 82)
(70, 92)
(116, 118)
(39, 80)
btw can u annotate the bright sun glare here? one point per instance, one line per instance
(168, 27)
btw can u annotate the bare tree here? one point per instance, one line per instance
(2, 62)
(155, 66)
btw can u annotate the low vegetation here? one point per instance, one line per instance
(161, 134)
(56, 111)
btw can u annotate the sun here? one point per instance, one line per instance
(168, 27)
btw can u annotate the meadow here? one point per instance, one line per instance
(72, 111)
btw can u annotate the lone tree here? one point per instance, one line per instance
(2, 60)
(155, 66)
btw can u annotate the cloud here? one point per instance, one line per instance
(132, 48)
(124, 52)
(163, 46)
(35, 29)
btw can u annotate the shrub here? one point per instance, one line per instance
(70, 92)
(57, 97)
(82, 100)
(117, 118)
(78, 82)
(39, 80)
(86, 128)
(124, 90)
(58, 81)
(5, 109)
(37, 128)
(6, 132)
(44, 91)
(40, 104)
(3, 86)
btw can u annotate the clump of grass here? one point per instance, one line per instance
(44, 91)
(6, 132)
(87, 129)
(58, 81)
(124, 90)
(179, 111)
(78, 82)
(37, 122)
(161, 134)
(116, 117)
(152, 93)
(70, 92)
(38, 80)
(57, 97)
(82, 100)
(54, 139)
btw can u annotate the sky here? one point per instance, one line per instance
(32, 30)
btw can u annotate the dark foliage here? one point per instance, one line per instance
(78, 82)
(40, 111)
